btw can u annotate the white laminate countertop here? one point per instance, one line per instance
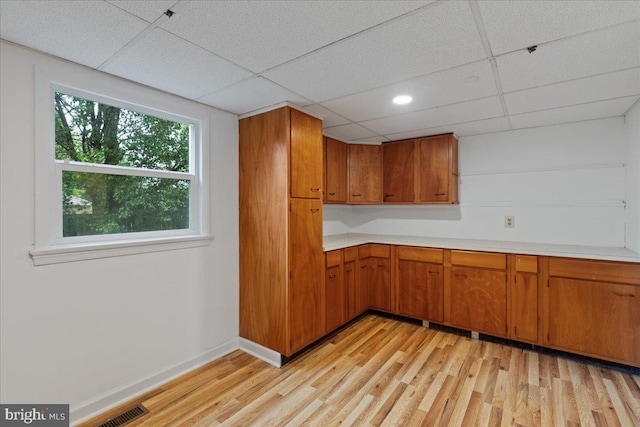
(340, 241)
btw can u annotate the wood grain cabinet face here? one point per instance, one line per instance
(379, 283)
(306, 262)
(351, 289)
(525, 307)
(439, 169)
(398, 159)
(334, 298)
(335, 171)
(306, 156)
(365, 174)
(593, 308)
(420, 290)
(479, 299)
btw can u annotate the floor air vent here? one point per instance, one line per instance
(126, 417)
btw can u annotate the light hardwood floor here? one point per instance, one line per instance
(381, 371)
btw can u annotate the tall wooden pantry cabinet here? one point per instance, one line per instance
(281, 258)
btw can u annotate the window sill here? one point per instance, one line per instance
(61, 254)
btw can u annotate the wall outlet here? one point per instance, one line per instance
(509, 222)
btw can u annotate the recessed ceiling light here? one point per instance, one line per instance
(472, 79)
(402, 99)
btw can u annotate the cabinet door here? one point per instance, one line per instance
(379, 283)
(306, 156)
(436, 164)
(334, 299)
(594, 318)
(421, 290)
(525, 307)
(350, 285)
(335, 189)
(306, 319)
(365, 173)
(398, 180)
(479, 300)
(364, 301)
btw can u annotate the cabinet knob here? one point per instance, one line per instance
(389, 195)
(314, 210)
(332, 194)
(356, 195)
(440, 194)
(315, 190)
(349, 271)
(620, 294)
(363, 266)
(461, 275)
(332, 277)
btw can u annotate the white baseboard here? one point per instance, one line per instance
(111, 399)
(262, 353)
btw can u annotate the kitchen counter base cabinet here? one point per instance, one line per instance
(478, 292)
(525, 291)
(375, 279)
(281, 258)
(420, 283)
(593, 308)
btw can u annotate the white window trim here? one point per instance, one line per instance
(49, 246)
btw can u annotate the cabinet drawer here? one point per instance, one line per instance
(411, 253)
(350, 254)
(526, 263)
(374, 250)
(479, 259)
(603, 271)
(334, 258)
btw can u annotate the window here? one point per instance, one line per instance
(118, 175)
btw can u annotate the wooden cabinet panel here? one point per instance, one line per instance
(306, 156)
(365, 173)
(411, 253)
(421, 290)
(335, 171)
(351, 290)
(374, 250)
(479, 259)
(604, 271)
(478, 300)
(362, 284)
(526, 263)
(594, 318)
(350, 254)
(525, 307)
(333, 258)
(398, 159)
(306, 262)
(334, 299)
(379, 283)
(438, 169)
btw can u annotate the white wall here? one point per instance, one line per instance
(632, 127)
(89, 333)
(564, 184)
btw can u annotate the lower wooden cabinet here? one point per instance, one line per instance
(375, 276)
(350, 269)
(593, 308)
(420, 283)
(524, 298)
(478, 292)
(334, 298)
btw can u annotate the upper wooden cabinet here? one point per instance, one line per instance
(281, 261)
(423, 170)
(399, 178)
(438, 169)
(306, 155)
(365, 174)
(335, 173)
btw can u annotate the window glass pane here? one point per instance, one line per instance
(96, 203)
(92, 132)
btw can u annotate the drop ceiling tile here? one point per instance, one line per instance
(250, 95)
(85, 32)
(435, 38)
(149, 10)
(574, 113)
(590, 54)
(433, 90)
(166, 62)
(497, 124)
(589, 89)
(262, 34)
(479, 109)
(349, 132)
(329, 118)
(512, 25)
